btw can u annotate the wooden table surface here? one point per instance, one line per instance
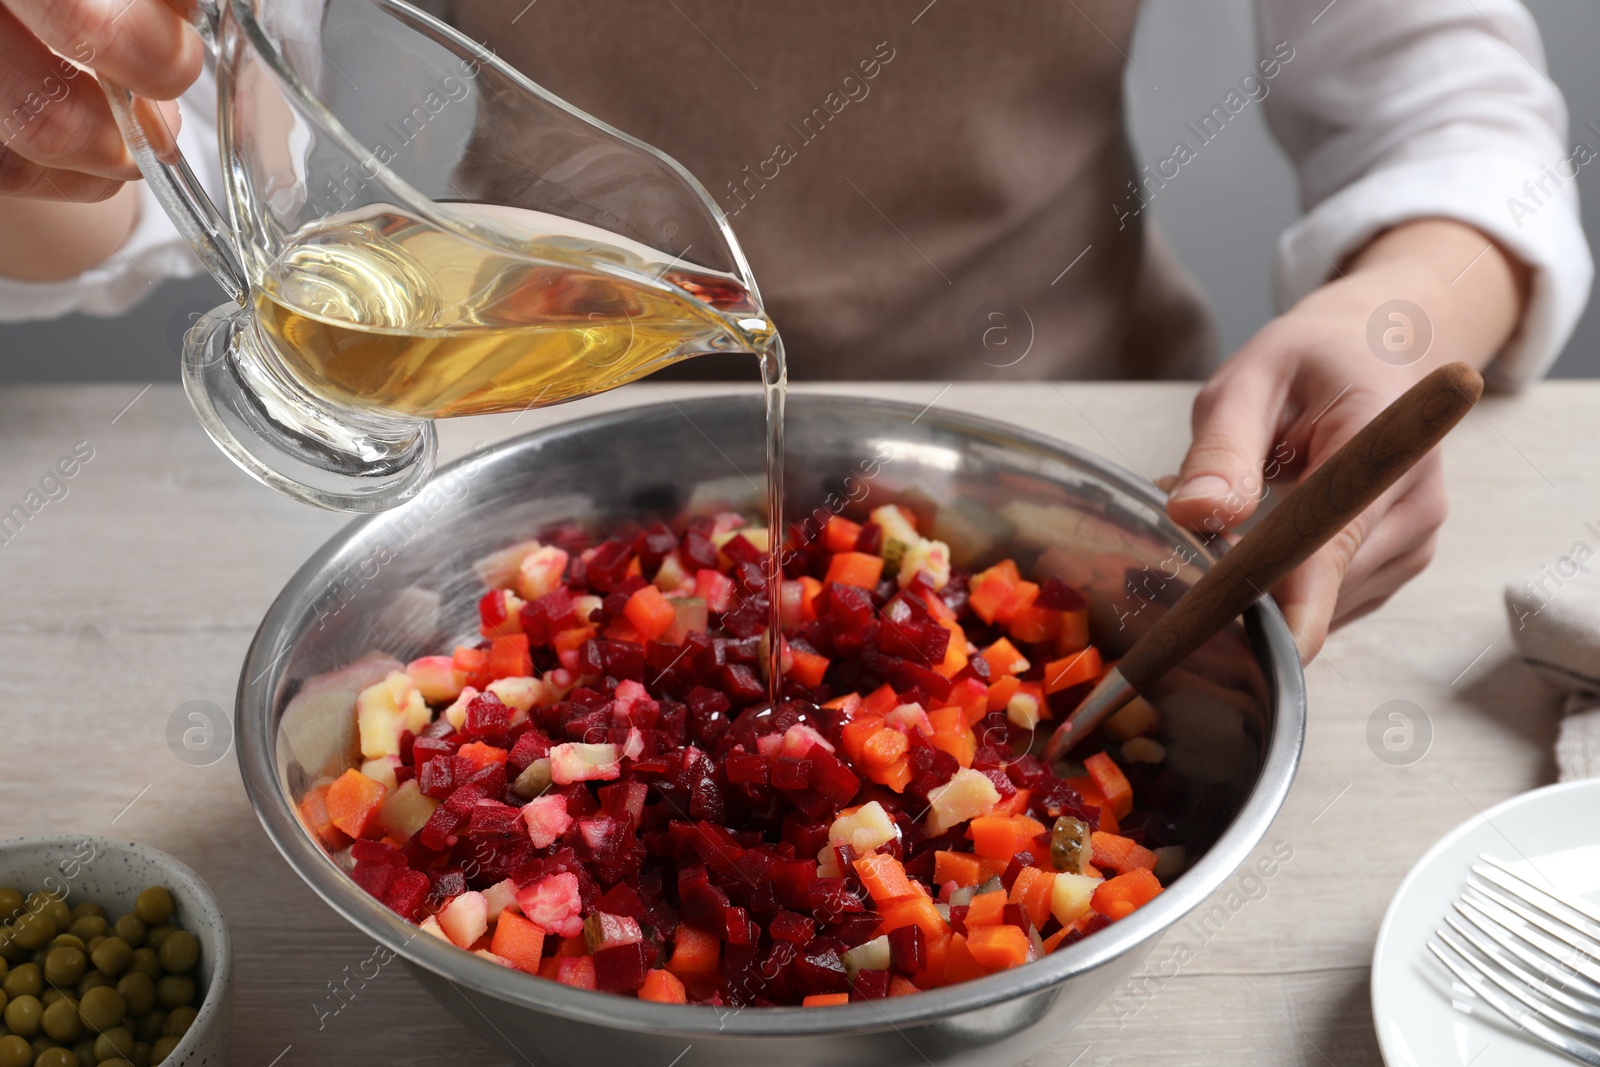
(139, 590)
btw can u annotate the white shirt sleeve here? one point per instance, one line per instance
(1394, 110)
(153, 252)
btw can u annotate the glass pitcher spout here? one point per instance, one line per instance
(413, 230)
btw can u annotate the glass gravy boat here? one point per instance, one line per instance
(412, 229)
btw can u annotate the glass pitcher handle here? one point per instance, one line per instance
(174, 184)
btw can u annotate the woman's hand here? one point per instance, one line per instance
(1310, 379)
(58, 140)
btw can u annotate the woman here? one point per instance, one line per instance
(901, 173)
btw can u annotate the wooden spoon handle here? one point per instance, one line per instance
(1319, 507)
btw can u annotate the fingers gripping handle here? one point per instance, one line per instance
(172, 181)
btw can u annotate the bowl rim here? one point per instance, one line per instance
(197, 893)
(1281, 755)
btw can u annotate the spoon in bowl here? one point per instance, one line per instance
(1319, 507)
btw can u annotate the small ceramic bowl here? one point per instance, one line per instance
(110, 873)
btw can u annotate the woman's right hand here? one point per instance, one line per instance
(58, 140)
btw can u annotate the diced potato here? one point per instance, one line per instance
(430, 925)
(870, 956)
(1023, 710)
(456, 713)
(498, 897)
(386, 709)
(520, 694)
(405, 811)
(1071, 895)
(1144, 750)
(863, 829)
(1139, 717)
(899, 537)
(966, 795)
(670, 576)
(540, 572)
(382, 770)
(930, 557)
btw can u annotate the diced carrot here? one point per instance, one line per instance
(935, 951)
(482, 755)
(990, 589)
(854, 735)
(951, 734)
(662, 987)
(1002, 690)
(1088, 789)
(314, 811)
(986, 909)
(849, 703)
(809, 588)
(962, 868)
(1076, 669)
(1003, 659)
(901, 987)
(825, 1000)
(576, 971)
(508, 657)
(571, 640)
(649, 611)
(897, 775)
(914, 911)
(1119, 897)
(1112, 782)
(997, 947)
(884, 747)
(473, 663)
(1108, 822)
(840, 534)
(1035, 625)
(575, 945)
(1003, 836)
(937, 607)
(519, 941)
(959, 963)
(807, 668)
(1019, 597)
(885, 879)
(1015, 804)
(1074, 631)
(549, 967)
(353, 801)
(972, 697)
(882, 700)
(635, 568)
(1032, 890)
(694, 952)
(955, 653)
(1120, 854)
(855, 568)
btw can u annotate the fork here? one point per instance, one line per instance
(1534, 956)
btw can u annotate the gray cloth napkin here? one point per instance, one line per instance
(1555, 621)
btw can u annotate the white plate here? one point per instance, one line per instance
(1551, 836)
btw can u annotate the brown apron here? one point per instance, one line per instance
(933, 191)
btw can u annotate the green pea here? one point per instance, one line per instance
(10, 951)
(92, 980)
(15, 1051)
(23, 980)
(153, 905)
(84, 1050)
(67, 940)
(56, 1057)
(102, 1008)
(130, 929)
(36, 957)
(160, 1049)
(179, 951)
(113, 1042)
(50, 996)
(94, 943)
(41, 1045)
(117, 1061)
(11, 903)
(33, 930)
(22, 1015)
(60, 1021)
(178, 1022)
(89, 927)
(138, 992)
(58, 912)
(140, 1057)
(149, 1026)
(175, 991)
(65, 965)
(112, 956)
(158, 934)
(145, 961)
(87, 910)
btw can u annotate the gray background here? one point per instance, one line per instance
(1193, 50)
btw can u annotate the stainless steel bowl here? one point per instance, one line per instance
(404, 583)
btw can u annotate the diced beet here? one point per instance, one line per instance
(493, 817)
(439, 831)
(1014, 868)
(748, 618)
(871, 985)
(748, 768)
(741, 683)
(377, 852)
(1015, 916)
(908, 949)
(407, 892)
(870, 539)
(492, 610)
(446, 884)
(856, 928)
(622, 899)
(487, 719)
(791, 773)
(958, 918)
(831, 777)
(1056, 595)
(1002, 783)
(373, 877)
(532, 745)
(819, 971)
(607, 566)
(808, 836)
(621, 969)
(1096, 922)
(788, 925)
(621, 659)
